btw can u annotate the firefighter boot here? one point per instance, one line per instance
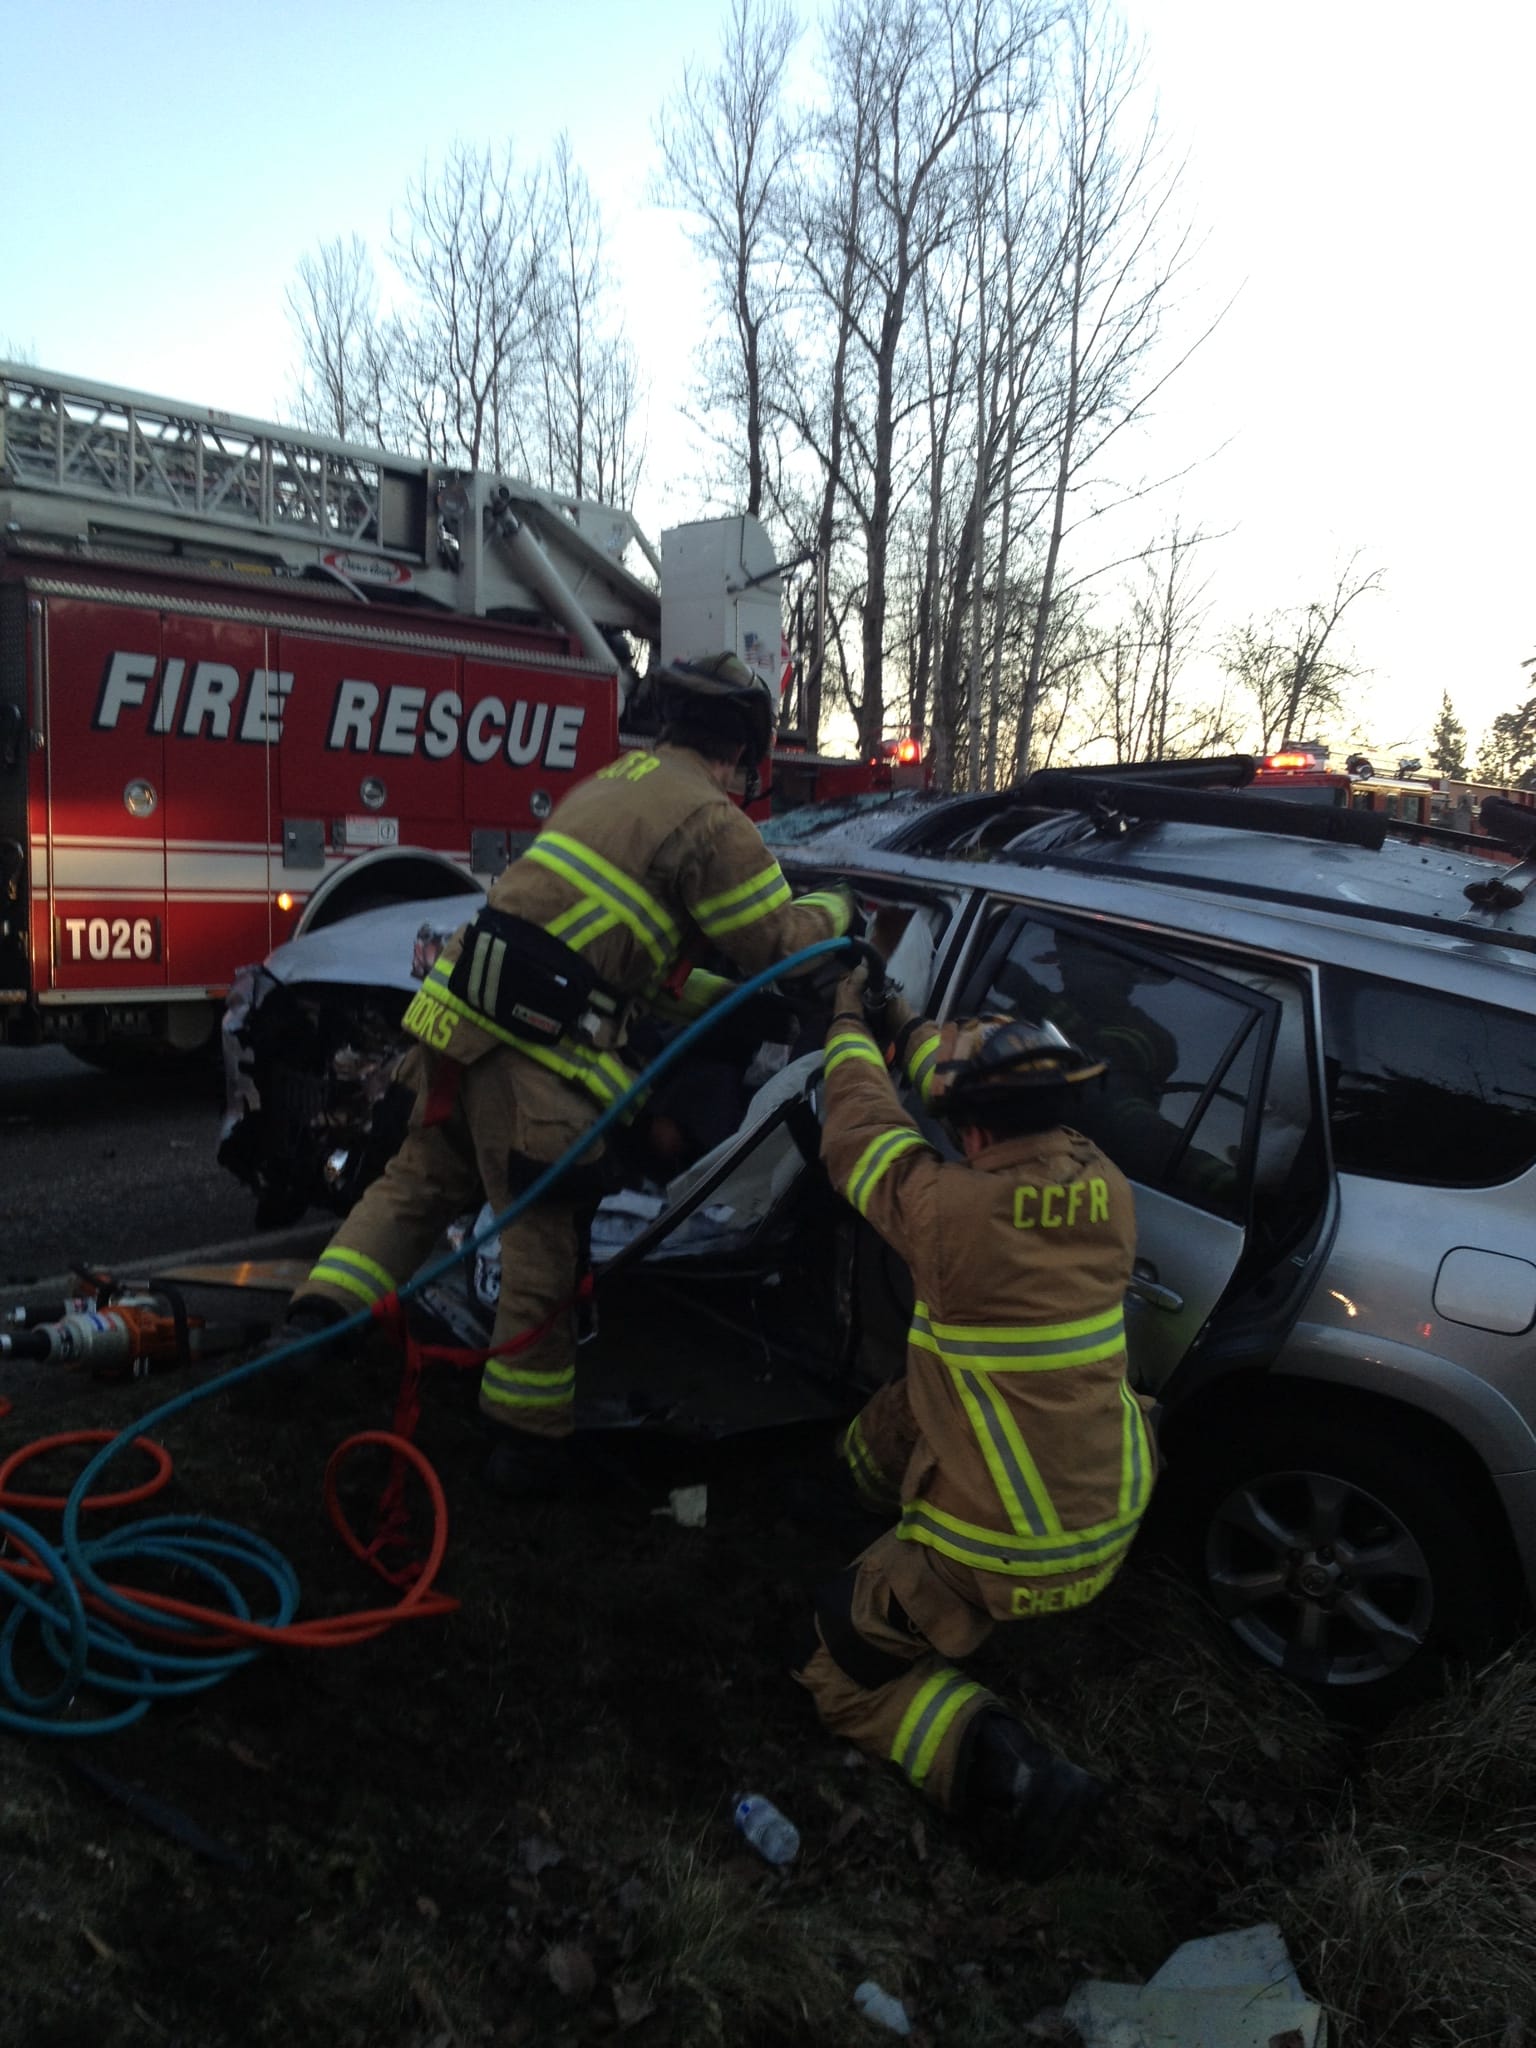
(269, 1392)
(524, 1468)
(1032, 1807)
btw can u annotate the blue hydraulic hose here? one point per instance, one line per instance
(92, 1651)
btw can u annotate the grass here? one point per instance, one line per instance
(511, 1829)
(1417, 1915)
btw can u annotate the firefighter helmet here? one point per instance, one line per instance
(993, 1065)
(719, 693)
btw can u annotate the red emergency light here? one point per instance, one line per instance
(1290, 760)
(908, 751)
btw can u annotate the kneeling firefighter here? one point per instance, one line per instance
(521, 1021)
(1015, 1458)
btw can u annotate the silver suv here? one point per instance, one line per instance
(1322, 1084)
(1319, 1032)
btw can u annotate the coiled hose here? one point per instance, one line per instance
(135, 1646)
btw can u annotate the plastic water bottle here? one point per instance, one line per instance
(882, 2008)
(775, 1839)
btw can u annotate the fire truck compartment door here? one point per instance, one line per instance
(221, 704)
(99, 868)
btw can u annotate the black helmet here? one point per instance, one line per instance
(721, 695)
(993, 1065)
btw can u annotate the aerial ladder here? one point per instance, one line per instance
(106, 469)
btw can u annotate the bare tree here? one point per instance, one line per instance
(1290, 665)
(571, 418)
(823, 221)
(1117, 276)
(472, 250)
(931, 66)
(499, 350)
(726, 149)
(343, 346)
(1140, 660)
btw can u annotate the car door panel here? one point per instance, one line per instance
(1178, 1110)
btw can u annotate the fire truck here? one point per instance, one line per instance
(253, 680)
(1436, 803)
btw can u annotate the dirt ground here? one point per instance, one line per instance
(512, 1825)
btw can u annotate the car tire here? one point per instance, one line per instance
(1354, 1560)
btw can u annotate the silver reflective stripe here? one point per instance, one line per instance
(595, 920)
(1102, 1337)
(992, 1550)
(475, 979)
(1136, 1423)
(910, 1758)
(498, 960)
(735, 909)
(1021, 1494)
(635, 904)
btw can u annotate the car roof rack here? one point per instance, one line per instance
(1213, 792)
(1109, 801)
(1199, 792)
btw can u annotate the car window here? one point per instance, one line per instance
(1426, 1087)
(1180, 1057)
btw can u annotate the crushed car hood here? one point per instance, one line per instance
(373, 949)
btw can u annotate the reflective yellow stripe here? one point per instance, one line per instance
(361, 1262)
(1020, 1347)
(1107, 1320)
(510, 1373)
(602, 1074)
(759, 896)
(586, 920)
(972, 1353)
(1012, 1554)
(878, 1156)
(922, 1057)
(559, 1389)
(843, 1046)
(1135, 1456)
(323, 1277)
(928, 1719)
(633, 905)
(869, 1477)
(838, 908)
(353, 1272)
(1020, 1488)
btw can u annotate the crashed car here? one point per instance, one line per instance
(1319, 1032)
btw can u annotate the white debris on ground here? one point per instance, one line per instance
(688, 1506)
(1237, 1990)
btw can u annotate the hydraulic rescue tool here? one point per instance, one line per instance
(120, 1332)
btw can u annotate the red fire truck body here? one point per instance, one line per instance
(209, 756)
(252, 680)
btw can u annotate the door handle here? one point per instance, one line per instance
(1147, 1288)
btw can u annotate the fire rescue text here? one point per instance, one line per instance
(210, 699)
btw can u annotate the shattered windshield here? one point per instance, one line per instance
(870, 814)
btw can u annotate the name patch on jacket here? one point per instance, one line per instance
(1061, 1599)
(1061, 1204)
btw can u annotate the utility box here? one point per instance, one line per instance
(721, 593)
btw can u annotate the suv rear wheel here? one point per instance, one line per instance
(1350, 1560)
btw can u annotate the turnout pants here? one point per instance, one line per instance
(887, 1629)
(506, 1118)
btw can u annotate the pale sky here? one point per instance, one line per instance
(1358, 170)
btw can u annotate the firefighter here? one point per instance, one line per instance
(520, 1026)
(1016, 1461)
